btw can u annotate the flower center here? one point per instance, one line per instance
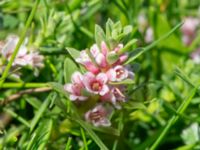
(97, 116)
(96, 86)
(119, 72)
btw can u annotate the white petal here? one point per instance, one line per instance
(102, 77)
(104, 90)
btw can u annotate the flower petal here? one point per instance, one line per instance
(101, 60)
(94, 50)
(68, 88)
(111, 74)
(102, 77)
(104, 48)
(77, 78)
(104, 90)
(88, 78)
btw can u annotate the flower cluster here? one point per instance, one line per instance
(24, 57)
(104, 67)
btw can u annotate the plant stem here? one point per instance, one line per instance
(23, 85)
(22, 37)
(173, 120)
(21, 93)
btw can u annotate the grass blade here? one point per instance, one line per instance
(173, 120)
(41, 111)
(143, 50)
(22, 37)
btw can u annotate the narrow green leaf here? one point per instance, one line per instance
(40, 112)
(41, 135)
(68, 146)
(16, 116)
(173, 119)
(127, 46)
(92, 134)
(84, 139)
(22, 37)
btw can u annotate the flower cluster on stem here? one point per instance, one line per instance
(104, 67)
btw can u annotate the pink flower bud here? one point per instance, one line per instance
(98, 116)
(85, 60)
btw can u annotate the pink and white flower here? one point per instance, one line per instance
(196, 56)
(100, 58)
(119, 73)
(75, 89)
(98, 116)
(96, 84)
(189, 29)
(149, 35)
(23, 57)
(115, 96)
(85, 60)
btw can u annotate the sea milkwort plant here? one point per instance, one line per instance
(105, 76)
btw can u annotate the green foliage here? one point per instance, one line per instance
(163, 99)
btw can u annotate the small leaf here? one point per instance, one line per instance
(59, 88)
(127, 29)
(109, 25)
(99, 35)
(112, 58)
(134, 105)
(73, 52)
(126, 81)
(69, 68)
(127, 46)
(191, 134)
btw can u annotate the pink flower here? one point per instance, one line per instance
(96, 84)
(85, 60)
(23, 58)
(142, 22)
(190, 25)
(196, 56)
(115, 96)
(149, 35)
(76, 87)
(189, 30)
(118, 73)
(100, 58)
(98, 116)
(36, 60)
